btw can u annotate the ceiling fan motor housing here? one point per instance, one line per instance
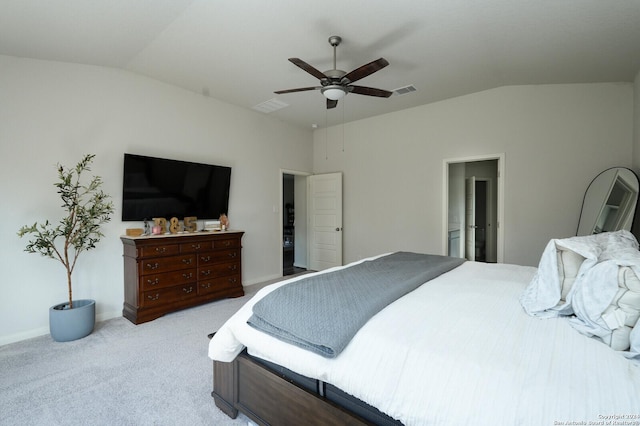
(334, 77)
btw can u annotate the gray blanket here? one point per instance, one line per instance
(323, 312)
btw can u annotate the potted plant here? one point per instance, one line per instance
(86, 207)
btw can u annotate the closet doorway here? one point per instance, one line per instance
(473, 204)
(293, 222)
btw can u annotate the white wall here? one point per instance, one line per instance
(53, 112)
(555, 138)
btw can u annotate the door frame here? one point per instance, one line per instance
(500, 158)
(281, 215)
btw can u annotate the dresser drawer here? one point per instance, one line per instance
(165, 264)
(168, 279)
(218, 284)
(159, 250)
(218, 269)
(218, 256)
(196, 246)
(226, 243)
(165, 296)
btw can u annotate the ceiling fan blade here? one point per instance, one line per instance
(301, 89)
(370, 91)
(331, 103)
(365, 70)
(308, 68)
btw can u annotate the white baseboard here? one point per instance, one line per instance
(41, 331)
(261, 280)
(103, 316)
(18, 337)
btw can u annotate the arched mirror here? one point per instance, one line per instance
(609, 203)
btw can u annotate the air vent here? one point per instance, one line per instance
(270, 106)
(404, 90)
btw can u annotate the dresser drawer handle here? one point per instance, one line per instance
(207, 285)
(161, 249)
(189, 275)
(205, 259)
(233, 254)
(154, 282)
(206, 273)
(153, 266)
(233, 267)
(156, 297)
(187, 261)
(233, 280)
(187, 290)
(195, 246)
(226, 243)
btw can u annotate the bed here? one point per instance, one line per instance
(480, 344)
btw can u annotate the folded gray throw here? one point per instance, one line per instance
(322, 313)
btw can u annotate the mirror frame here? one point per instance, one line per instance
(594, 202)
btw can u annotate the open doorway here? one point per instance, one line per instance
(294, 222)
(474, 208)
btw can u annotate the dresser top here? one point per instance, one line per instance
(181, 234)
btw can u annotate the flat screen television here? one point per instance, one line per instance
(159, 187)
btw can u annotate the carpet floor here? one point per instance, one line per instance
(156, 373)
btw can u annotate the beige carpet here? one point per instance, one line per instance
(156, 373)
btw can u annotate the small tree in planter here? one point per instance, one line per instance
(87, 208)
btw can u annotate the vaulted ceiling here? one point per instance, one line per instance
(237, 50)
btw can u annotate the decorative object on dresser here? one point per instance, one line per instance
(167, 273)
(87, 208)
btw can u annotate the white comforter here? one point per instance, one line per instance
(594, 287)
(461, 350)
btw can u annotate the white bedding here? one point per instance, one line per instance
(461, 350)
(595, 294)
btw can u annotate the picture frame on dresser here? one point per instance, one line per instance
(167, 273)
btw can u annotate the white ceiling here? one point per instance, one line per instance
(237, 50)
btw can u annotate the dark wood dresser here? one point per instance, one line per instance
(166, 273)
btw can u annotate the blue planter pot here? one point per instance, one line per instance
(67, 324)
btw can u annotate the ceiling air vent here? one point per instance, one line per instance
(404, 90)
(270, 106)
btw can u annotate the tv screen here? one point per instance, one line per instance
(159, 187)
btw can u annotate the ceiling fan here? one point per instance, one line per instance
(335, 84)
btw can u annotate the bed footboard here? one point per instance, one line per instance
(270, 399)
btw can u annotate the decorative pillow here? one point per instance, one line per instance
(569, 263)
(623, 312)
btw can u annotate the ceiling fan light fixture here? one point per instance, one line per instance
(334, 92)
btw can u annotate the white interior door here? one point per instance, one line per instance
(324, 195)
(470, 218)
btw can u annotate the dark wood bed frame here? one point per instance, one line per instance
(270, 398)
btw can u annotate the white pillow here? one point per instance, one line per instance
(623, 312)
(569, 263)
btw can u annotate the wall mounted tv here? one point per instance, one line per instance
(159, 187)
